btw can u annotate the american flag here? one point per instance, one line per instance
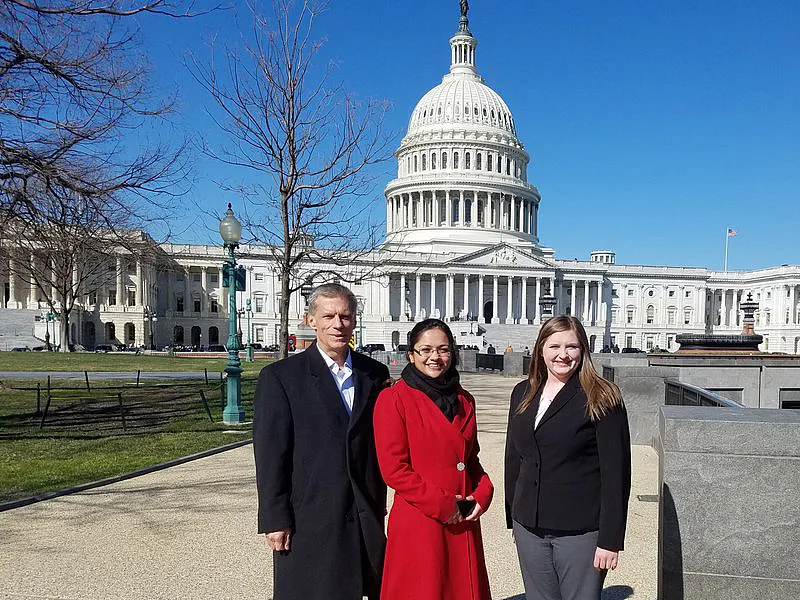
(731, 232)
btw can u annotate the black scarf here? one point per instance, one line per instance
(443, 390)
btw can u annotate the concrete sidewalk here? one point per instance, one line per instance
(187, 532)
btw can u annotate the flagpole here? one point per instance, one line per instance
(727, 237)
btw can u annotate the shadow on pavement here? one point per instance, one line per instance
(617, 592)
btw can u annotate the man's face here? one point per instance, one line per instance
(334, 324)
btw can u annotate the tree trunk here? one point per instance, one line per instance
(64, 335)
(285, 301)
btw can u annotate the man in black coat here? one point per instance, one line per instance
(321, 498)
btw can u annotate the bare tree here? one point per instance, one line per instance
(73, 87)
(307, 144)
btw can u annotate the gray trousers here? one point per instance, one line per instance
(558, 567)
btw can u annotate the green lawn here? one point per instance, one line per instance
(83, 438)
(87, 361)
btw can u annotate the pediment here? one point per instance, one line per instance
(502, 255)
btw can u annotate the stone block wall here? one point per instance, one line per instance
(729, 522)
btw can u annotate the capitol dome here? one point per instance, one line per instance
(461, 180)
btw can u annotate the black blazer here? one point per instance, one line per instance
(317, 474)
(569, 474)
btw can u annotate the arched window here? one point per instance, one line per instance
(415, 163)
(488, 162)
(508, 166)
(213, 335)
(177, 335)
(455, 160)
(444, 160)
(478, 161)
(466, 161)
(651, 314)
(499, 164)
(433, 160)
(424, 162)
(475, 111)
(466, 109)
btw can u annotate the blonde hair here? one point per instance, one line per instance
(601, 395)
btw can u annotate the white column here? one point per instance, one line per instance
(417, 290)
(598, 317)
(509, 305)
(388, 216)
(139, 283)
(34, 288)
(502, 212)
(523, 317)
(448, 219)
(572, 306)
(792, 305)
(481, 314)
(448, 297)
(403, 316)
(586, 301)
(204, 292)
(537, 311)
(12, 288)
(187, 294)
(495, 318)
(433, 295)
(487, 215)
(724, 308)
(462, 222)
(466, 295)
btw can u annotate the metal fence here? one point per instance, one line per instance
(677, 393)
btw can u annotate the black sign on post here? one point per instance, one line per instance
(241, 279)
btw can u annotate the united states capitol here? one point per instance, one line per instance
(463, 243)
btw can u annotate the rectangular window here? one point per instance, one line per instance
(259, 304)
(630, 292)
(196, 277)
(112, 297)
(258, 276)
(197, 306)
(671, 293)
(614, 292)
(260, 335)
(214, 278)
(671, 318)
(92, 297)
(214, 306)
(131, 297)
(629, 316)
(179, 304)
(629, 341)
(688, 294)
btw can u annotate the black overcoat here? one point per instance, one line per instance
(570, 473)
(317, 475)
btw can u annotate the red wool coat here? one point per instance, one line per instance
(427, 461)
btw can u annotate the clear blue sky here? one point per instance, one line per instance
(652, 126)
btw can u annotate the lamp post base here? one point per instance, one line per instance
(233, 413)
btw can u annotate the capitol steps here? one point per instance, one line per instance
(16, 329)
(501, 335)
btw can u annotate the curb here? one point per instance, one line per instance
(117, 478)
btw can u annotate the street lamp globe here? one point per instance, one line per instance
(230, 228)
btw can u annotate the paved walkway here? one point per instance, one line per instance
(187, 532)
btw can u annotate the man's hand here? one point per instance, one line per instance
(605, 559)
(279, 540)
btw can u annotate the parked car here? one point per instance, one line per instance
(256, 346)
(630, 350)
(370, 348)
(21, 349)
(105, 348)
(216, 348)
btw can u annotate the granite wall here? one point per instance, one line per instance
(729, 522)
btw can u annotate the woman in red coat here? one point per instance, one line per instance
(426, 437)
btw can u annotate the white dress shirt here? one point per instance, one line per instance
(343, 376)
(544, 404)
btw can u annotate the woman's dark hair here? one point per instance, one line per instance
(426, 325)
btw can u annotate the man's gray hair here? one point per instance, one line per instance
(332, 290)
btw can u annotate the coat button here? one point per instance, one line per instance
(461, 466)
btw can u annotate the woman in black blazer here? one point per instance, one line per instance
(567, 468)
